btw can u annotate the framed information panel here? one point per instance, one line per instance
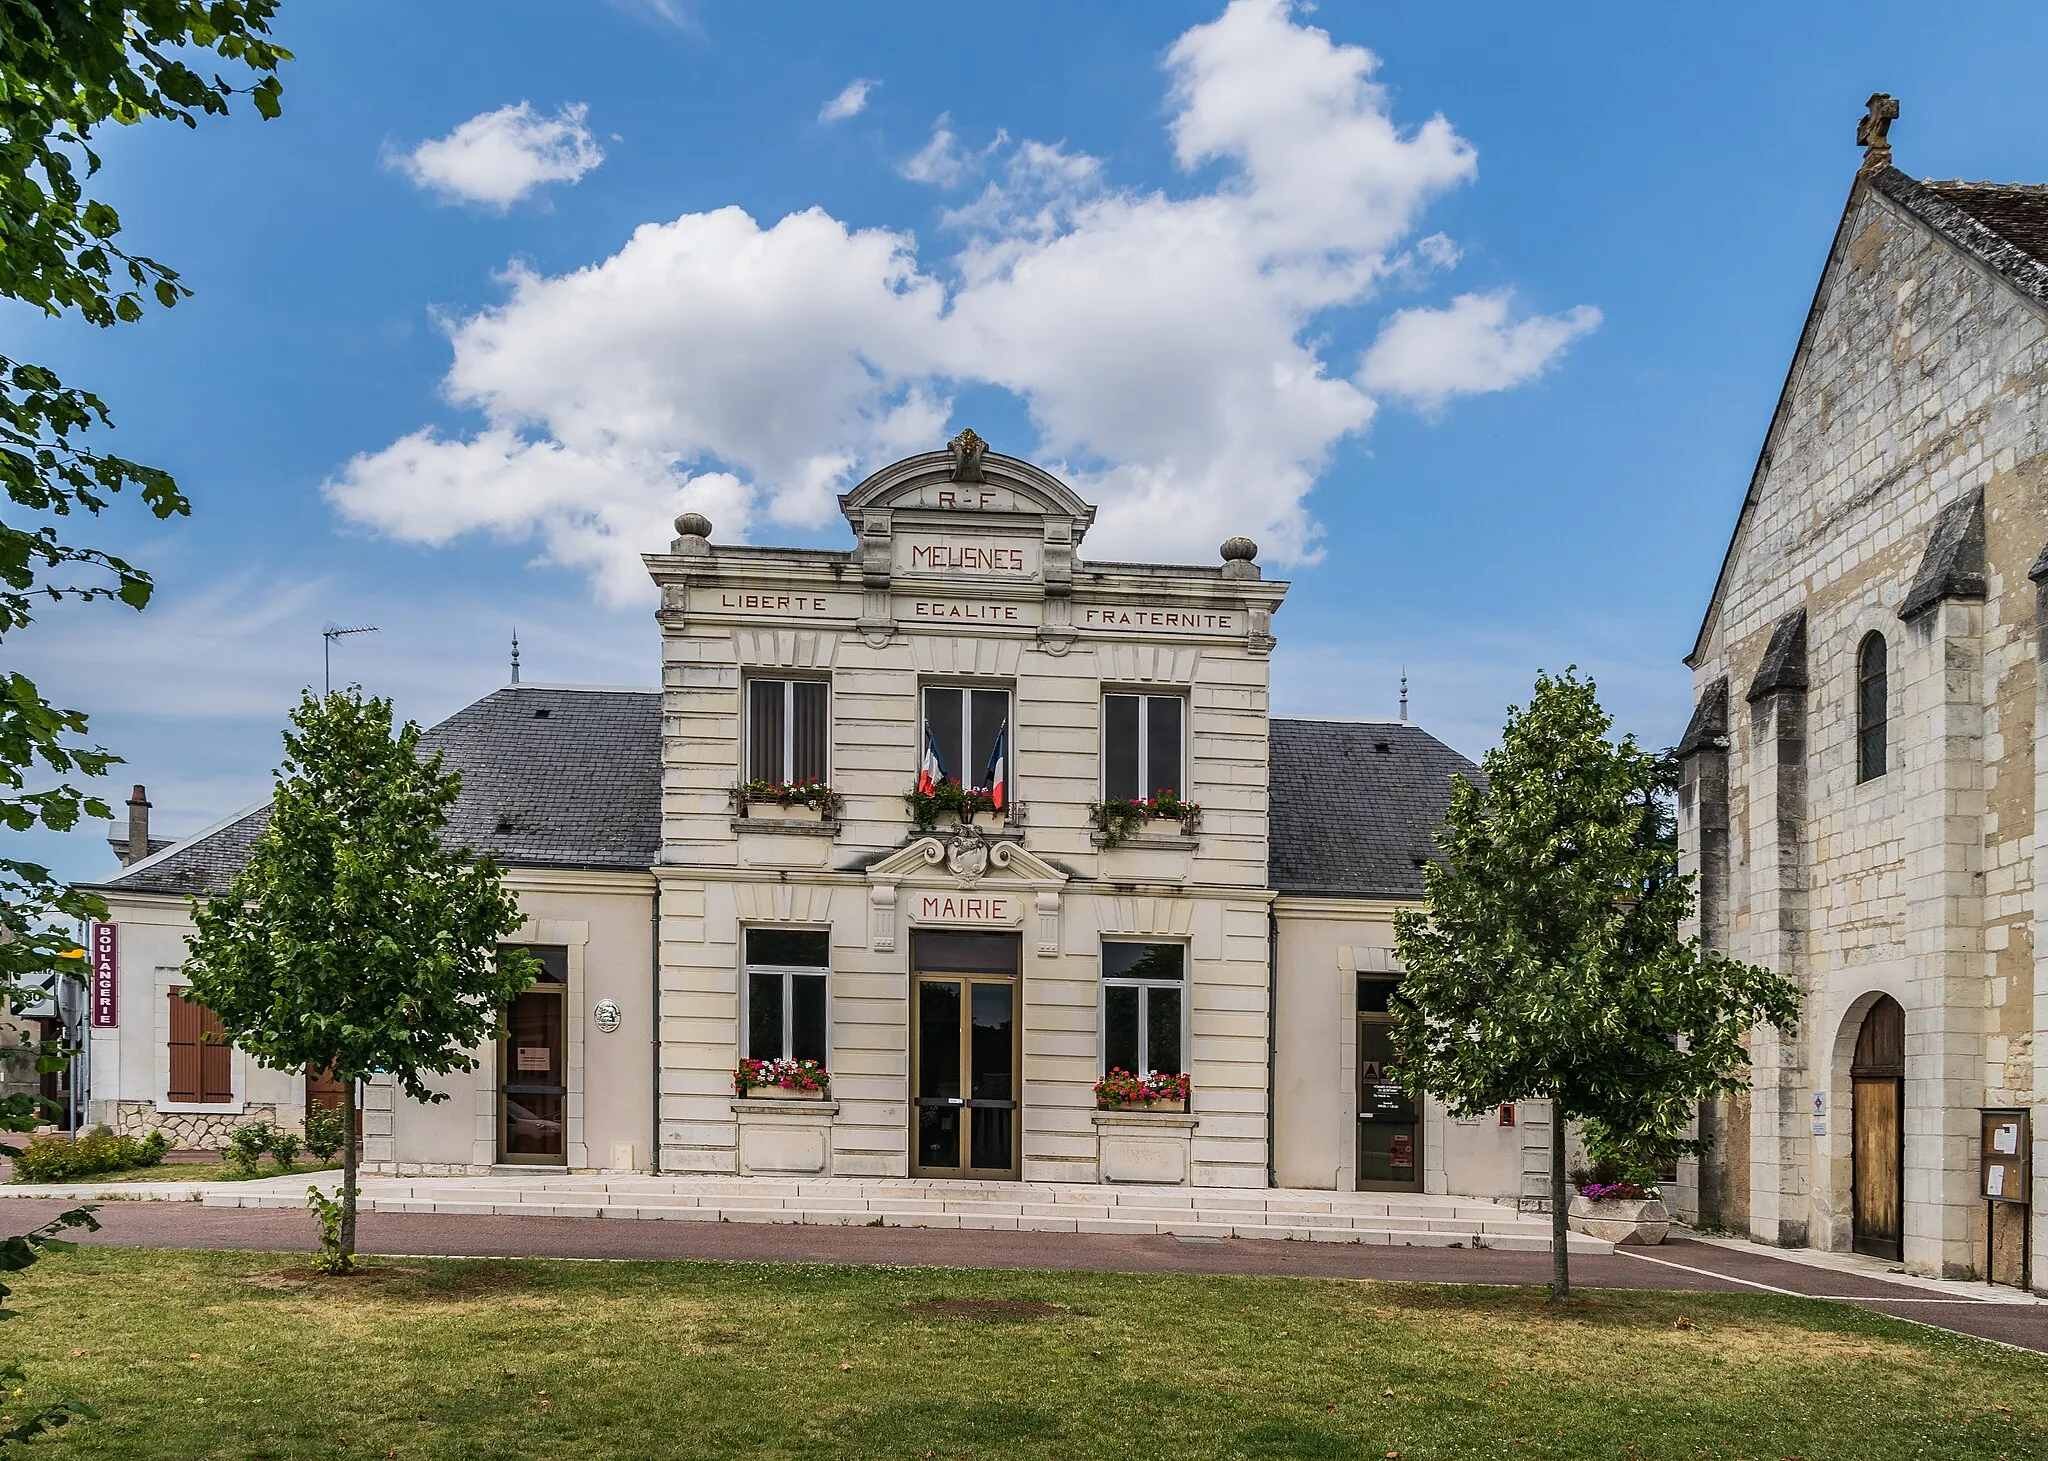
(2005, 1169)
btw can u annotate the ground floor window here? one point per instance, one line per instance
(1144, 1008)
(784, 990)
(201, 1071)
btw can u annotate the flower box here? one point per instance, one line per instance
(780, 1080)
(782, 1093)
(1633, 1220)
(786, 801)
(1119, 819)
(762, 809)
(1122, 1091)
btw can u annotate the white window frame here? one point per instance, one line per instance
(1184, 985)
(788, 723)
(1145, 699)
(967, 688)
(814, 971)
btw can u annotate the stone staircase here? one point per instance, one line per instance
(1189, 1212)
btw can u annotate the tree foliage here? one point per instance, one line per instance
(353, 941)
(1548, 962)
(67, 69)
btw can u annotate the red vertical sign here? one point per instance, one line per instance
(106, 971)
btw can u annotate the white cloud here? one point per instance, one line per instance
(1427, 356)
(940, 161)
(849, 103)
(499, 157)
(1172, 352)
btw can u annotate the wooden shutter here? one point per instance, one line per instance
(185, 1024)
(200, 1055)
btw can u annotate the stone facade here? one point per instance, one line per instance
(972, 582)
(1902, 493)
(192, 1130)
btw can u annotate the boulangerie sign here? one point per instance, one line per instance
(106, 976)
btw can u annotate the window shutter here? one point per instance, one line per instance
(185, 1030)
(201, 1058)
(216, 1082)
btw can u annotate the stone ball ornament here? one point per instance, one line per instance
(1238, 550)
(693, 525)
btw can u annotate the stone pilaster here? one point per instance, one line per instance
(1779, 1130)
(2038, 1239)
(1706, 1191)
(1943, 722)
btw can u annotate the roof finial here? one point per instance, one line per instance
(966, 450)
(1404, 692)
(515, 656)
(1873, 133)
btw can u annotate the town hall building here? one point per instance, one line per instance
(965, 818)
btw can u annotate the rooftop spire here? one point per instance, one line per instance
(515, 656)
(1404, 694)
(1873, 132)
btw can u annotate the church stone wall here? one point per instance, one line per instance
(1922, 380)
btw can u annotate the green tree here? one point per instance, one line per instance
(68, 68)
(353, 941)
(1547, 961)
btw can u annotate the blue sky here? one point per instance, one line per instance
(1479, 338)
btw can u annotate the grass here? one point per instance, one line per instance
(241, 1355)
(183, 1172)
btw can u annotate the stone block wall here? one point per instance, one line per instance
(1920, 381)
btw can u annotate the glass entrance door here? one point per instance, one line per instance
(964, 1060)
(1389, 1127)
(533, 1070)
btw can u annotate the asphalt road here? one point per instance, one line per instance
(1680, 1265)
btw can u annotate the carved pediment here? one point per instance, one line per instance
(965, 859)
(966, 480)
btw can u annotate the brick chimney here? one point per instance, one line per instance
(138, 829)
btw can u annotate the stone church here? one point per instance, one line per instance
(1864, 776)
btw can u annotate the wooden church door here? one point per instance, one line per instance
(1877, 1132)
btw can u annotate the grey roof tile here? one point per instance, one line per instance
(581, 787)
(552, 776)
(1351, 820)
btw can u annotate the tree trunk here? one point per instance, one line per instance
(1560, 1230)
(348, 1167)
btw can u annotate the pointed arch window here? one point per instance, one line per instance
(1870, 707)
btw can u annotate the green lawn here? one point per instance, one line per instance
(185, 1172)
(242, 1355)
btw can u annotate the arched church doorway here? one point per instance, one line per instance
(1877, 1132)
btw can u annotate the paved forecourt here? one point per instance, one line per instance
(1391, 1219)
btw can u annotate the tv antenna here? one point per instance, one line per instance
(328, 635)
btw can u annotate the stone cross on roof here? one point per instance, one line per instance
(1873, 132)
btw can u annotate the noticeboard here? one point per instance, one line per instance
(2005, 1170)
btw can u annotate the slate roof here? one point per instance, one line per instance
(1352, 820)
(2016, 212)
(552, 776)
(581, 787)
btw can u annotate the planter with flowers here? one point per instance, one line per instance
(950, 799)
(1118, 819)
(1122, 1091)
(786, 801)
(1144, 1132)
(1618, 1207)
(781, 1080)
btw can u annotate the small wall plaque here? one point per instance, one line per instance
(605, 1014)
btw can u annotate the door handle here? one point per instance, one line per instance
(956, 1100)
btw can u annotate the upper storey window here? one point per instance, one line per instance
(1143, 746)
(966, 738)
(1870, 707)
(788, 730)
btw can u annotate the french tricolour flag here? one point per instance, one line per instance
(997, 774)
(929, 772)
